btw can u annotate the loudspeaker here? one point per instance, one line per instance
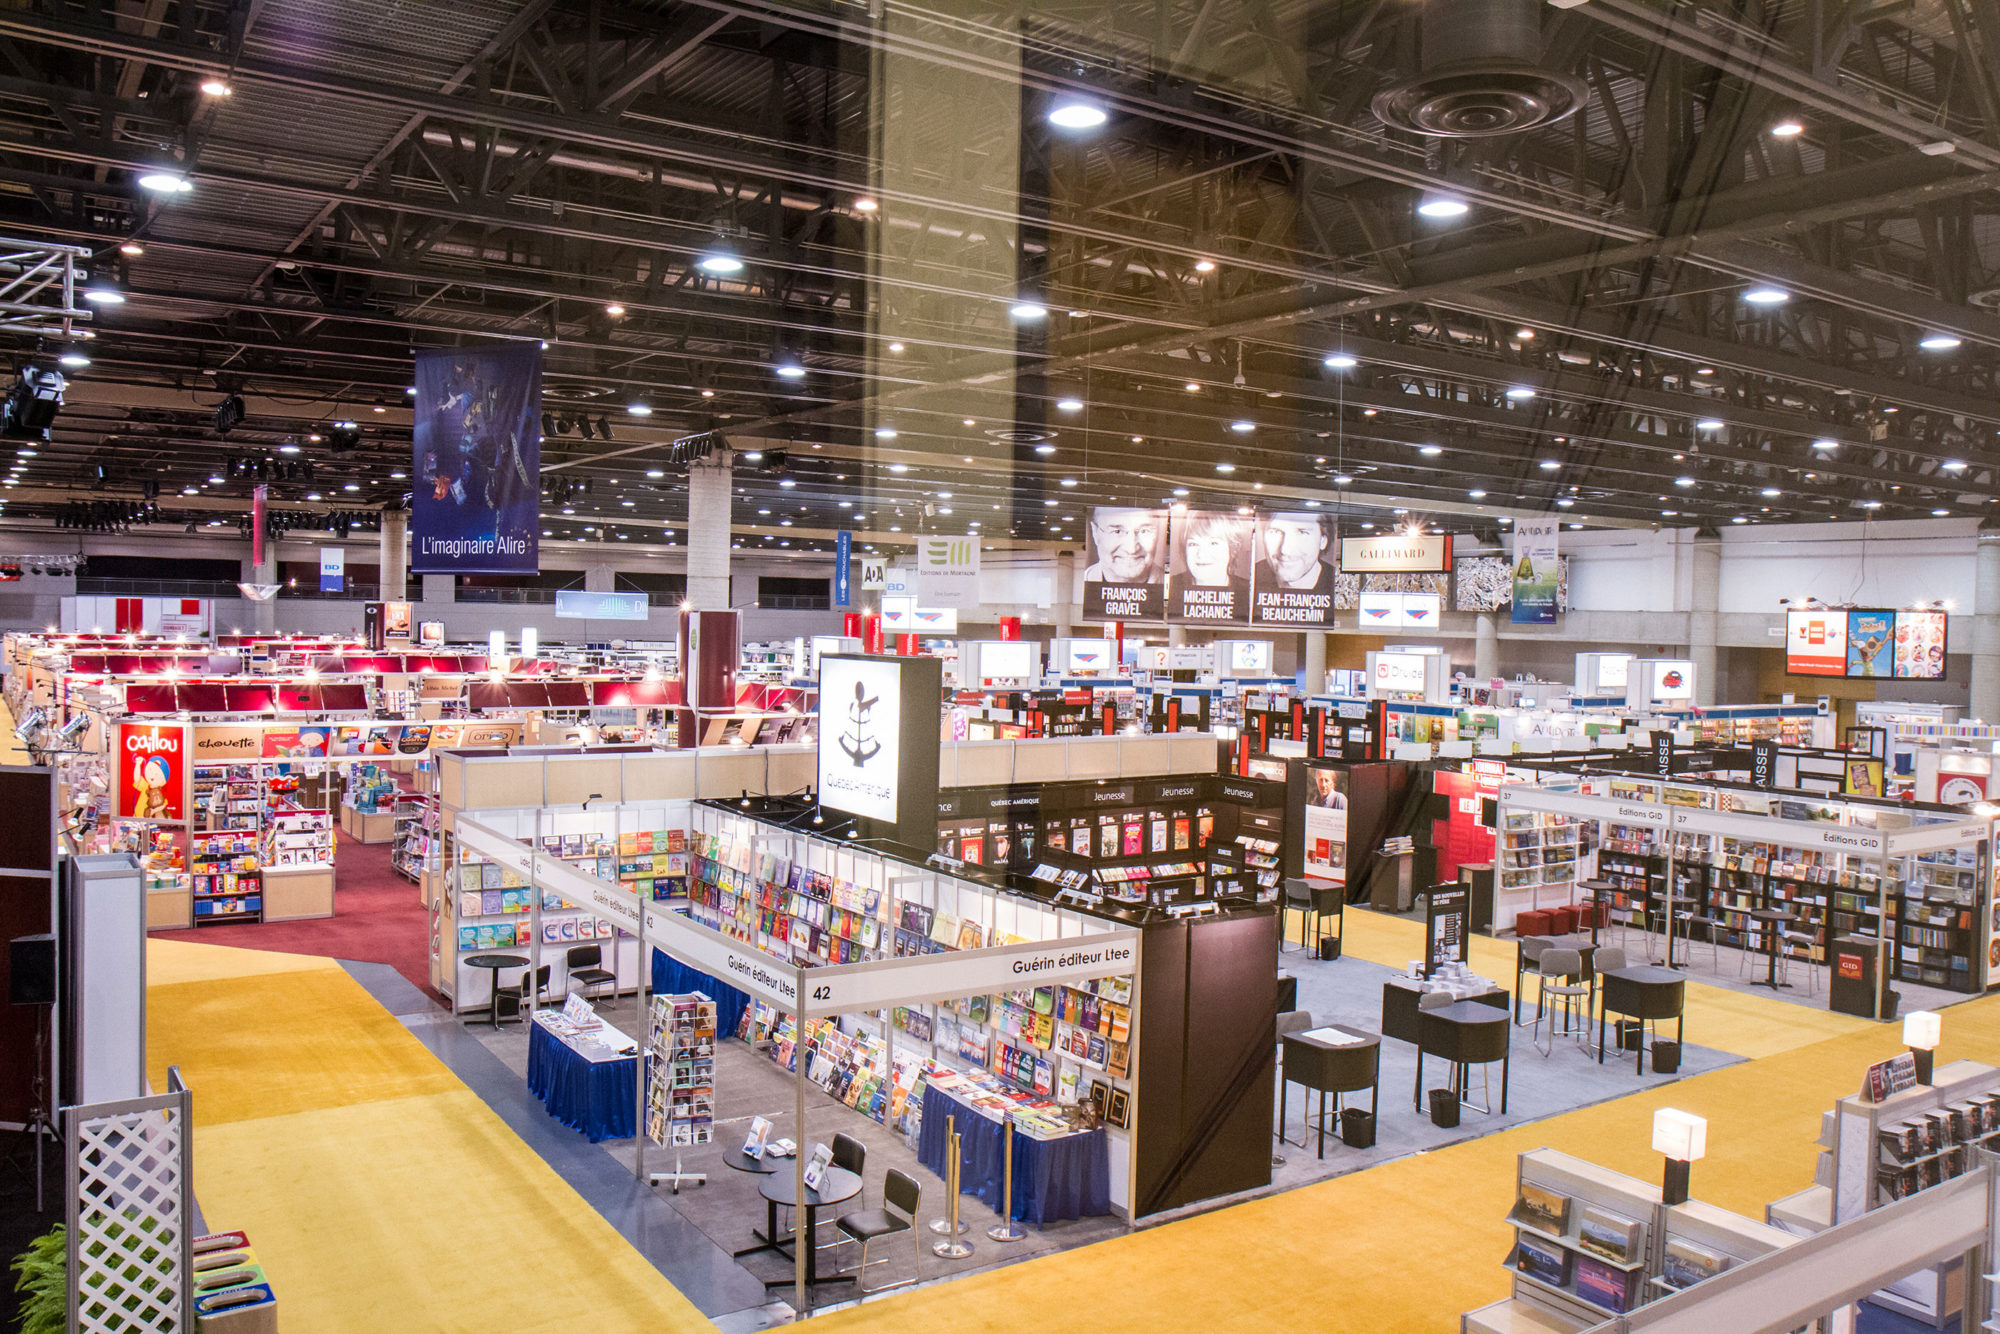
(31, 970)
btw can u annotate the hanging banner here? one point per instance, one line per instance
(1396, 553)
(332, 569)
(1125, 571)
(1208, 573)
(1535, 575)
(477, 459)
(1294, 574)
(152, 761)
(874, 573)
(948, 572)
(843, 559)
(258, 501)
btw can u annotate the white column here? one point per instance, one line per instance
(1485, 647)
(1985, 698)
(1704, 596)
(1315, 662)
(395, 556)
(1062, 608)
(709, 484)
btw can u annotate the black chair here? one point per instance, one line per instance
(586, 970)
(851, 1155)
(1298, 898)
(902, 1197)
(1291, 1021)
(517, 995)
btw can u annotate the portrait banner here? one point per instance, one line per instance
(475, 500)
(1208, 575)
(1125, 570)
(1294, 574)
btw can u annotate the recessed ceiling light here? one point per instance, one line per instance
(865, 205)
(1770, 491)
(1939, 342)
(1549, 465)
(165, 183)
(1225, 467)
(1476, 495)
(1067, 481)
(1069, 405)
(1443, 206)
(1243, 426)
(132, 249)
(1075, 112)
(1766, 296)
(1430, 451)
(1939, 514)
(1565, 502)
(640, 409)
(1788, 127)
(1519, 392)
(1204, 266)
(1340, 361)
(1027, 311)
(885, 433)
(1683, 481)
(1709, 424)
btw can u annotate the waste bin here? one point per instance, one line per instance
(1329, 947)
(1444, 1109)
(1856, 979)
(1666, 1056)
(1357, 1128)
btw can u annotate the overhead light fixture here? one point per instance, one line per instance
(215, 87)
(1045, 450)
(288, 449)
(1225, 467)
(655, 474)
(1026, 311)
(1939, 514)
(1075, 112)
(1549, 465)
(1766, 296)
(1826, 443)
(1525, 335)
(1476, 495)
(1953, 465)
(885, 433)
(1519, 392)
(1769, 492)
(1243, 426)
(1067, 481)
(132, 249)
(165, 183)
(1068, 404)
(104, 295)
(1683, 481)
(787, 370)
(72, 360)
(640, 409)
(1441, 206)
(1430, 451)
(1340, 361)
(864, 204)
(1343, 480)
(899, 468)
(1710, 424)
(720, 259)
(613, 309)
(1787, 127)
(1939, 342)
(1564, 502)
(1204, 266)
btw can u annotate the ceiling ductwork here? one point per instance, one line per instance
(1482, 73)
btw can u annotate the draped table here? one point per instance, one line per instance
(1054, 1179)
(589, 1089)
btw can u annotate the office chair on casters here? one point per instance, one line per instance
(902, 1197)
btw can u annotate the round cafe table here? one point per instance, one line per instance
(1774, 921)
(837, 1187)
(496, 962)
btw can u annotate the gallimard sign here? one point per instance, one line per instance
(1428, 553)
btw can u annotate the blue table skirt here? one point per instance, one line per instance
(1054, 1179)
(676, 978)
(595, 1097)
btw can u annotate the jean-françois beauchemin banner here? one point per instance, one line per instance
(475, 497)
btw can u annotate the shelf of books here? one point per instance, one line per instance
(414, 849)
(225, 876)
(1538, 855)
(1591, 1244)
(296, 838)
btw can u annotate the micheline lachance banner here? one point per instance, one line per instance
(476, 495)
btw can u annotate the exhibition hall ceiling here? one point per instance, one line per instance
(982, 267)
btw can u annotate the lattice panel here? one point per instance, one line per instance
(127, 1245)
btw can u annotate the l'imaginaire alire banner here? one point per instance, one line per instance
(475, 497)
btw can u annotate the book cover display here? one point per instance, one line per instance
(1609, 1235)
(1543, 1209)
(1605, 1285)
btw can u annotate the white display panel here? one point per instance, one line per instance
(1248, 657)
(1397, 673)
(1816, 643)
(860, 736)
(1006, 660)
(1672, 681)
(1400, 611)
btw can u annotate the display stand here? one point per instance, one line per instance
(680, 1111)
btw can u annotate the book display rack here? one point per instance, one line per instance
(1538, 855)
(1875, 1153)
(680, 1093)
(416, 845)
(1591, 1244)
(298, 838)
(225, 876)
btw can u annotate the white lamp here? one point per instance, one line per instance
(496, 650)
(1922, 1030)
(1682, 1138)
(531, 642)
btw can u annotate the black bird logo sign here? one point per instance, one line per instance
(858, 742)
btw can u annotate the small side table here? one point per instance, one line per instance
(496, 962)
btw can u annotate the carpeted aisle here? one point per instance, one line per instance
(379, 1192)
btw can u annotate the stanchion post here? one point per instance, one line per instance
(954, 1246)
(1005, 1230)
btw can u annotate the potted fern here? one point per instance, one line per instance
(41, 1277)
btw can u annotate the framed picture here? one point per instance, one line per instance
(1119, 1110)
(1100, 1097)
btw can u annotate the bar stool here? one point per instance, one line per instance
(1607, 959)
(1292, 1021)
(1814, 960)
(1563, 964)
(1297, 898)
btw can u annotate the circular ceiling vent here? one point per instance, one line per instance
(1481, 74)
(1021, 435)
(1498, 97)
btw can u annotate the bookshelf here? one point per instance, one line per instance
(225, 876)
(414, 849)
(1536, 863)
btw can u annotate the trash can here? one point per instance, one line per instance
(1329, 947)
(1666, 1056)
(1357, 1128)
(1444, 1109)
(1631, 1032)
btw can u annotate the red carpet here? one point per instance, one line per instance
(376, 919)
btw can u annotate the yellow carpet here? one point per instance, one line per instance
(379, 1192)
(1717, 1017)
